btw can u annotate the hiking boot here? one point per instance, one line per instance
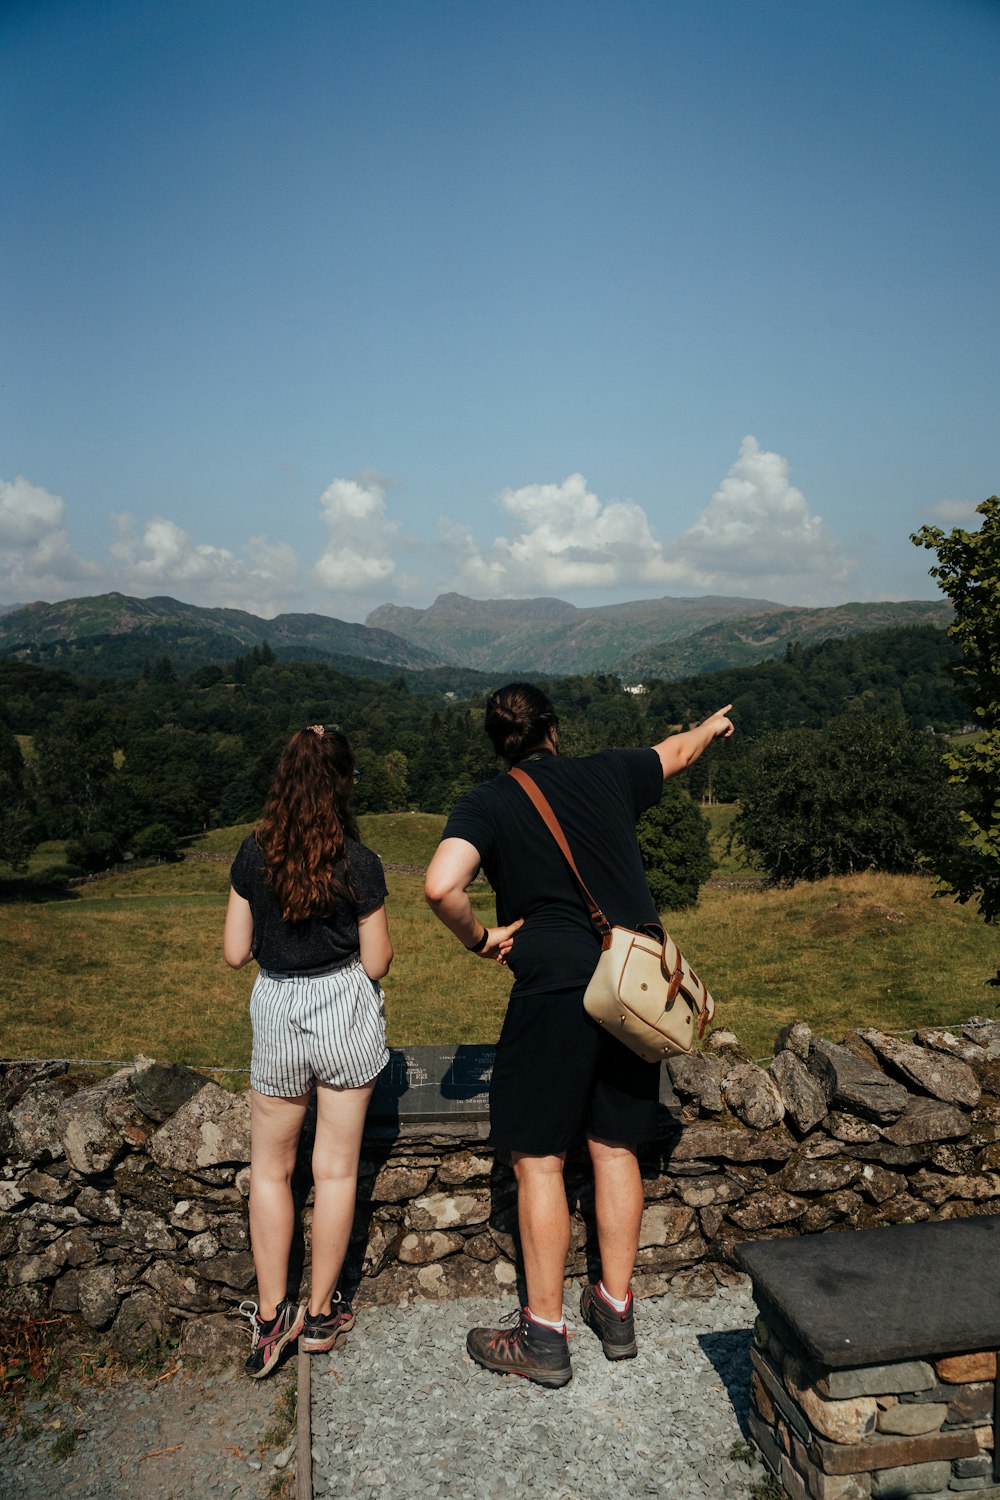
(322, 1331)
(616, 1330)
(529, 1349)
(270, 1335)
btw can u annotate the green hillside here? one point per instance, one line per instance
(113, 635)
(458, 645)
(744, 642)
(551, 636)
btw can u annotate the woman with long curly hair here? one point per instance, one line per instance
(308, 903)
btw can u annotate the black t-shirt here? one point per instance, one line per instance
(597, 799)
(318, 942)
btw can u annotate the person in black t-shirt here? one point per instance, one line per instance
(557, 1076)
(308, 903)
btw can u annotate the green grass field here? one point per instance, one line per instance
(403, 838)
(133, 964)
(729, 865)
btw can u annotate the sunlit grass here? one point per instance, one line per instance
(133, 963)
(729, 865)
(861, 950)
(436, 993)
(402, 838)
(219, 840)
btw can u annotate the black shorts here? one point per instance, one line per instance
(558, 1076)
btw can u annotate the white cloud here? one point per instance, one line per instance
(35, 553)
(359, 552)
(158, 556)
(952, 512)
(27, 512)
(163, 558)
(757, 534)
(758, 530)
(563, 539)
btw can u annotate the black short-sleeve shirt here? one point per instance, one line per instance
(597, 799)
(318, 942)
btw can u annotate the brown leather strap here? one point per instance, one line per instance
(544, 808)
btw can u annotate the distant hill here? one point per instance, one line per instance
(667, 638)
(551, 636)
(449, 646)
(741, 643)
(112, 634)
(899, 667)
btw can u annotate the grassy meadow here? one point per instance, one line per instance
(133, 963)
(730, 864)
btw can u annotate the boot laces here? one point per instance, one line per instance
(504, 1340)
(250, 1310)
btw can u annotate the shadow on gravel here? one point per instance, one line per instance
(729, 1353)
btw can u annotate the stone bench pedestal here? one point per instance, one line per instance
(874, 1361)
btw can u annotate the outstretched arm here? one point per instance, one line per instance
(679, 751)
(454, 865)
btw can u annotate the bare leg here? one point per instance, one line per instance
(340, 1121)
(543, 1218)
(275, 1127)
(619, 1202)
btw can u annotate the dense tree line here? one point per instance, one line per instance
(137, 764)
(867, 792)
(907, 673)
(140, 763)
(968, 570)
(907, 669)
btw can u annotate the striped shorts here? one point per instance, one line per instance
(324, 1028)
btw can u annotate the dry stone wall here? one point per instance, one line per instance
(123, 1199)
(878, 1432)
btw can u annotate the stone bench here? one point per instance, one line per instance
(874, 1360)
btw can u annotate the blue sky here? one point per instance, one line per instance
(318, 305)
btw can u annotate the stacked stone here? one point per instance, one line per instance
(436, 1215)
(125, 1198)
(874, 1131)
(914, 1427)
(443, 1223)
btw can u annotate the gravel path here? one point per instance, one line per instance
(198, 1435)
(401, 1411)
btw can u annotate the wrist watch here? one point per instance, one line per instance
(478, 947)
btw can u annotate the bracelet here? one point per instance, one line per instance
(478, 947)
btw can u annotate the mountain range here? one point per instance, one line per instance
(665, 637)
(112, 634)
